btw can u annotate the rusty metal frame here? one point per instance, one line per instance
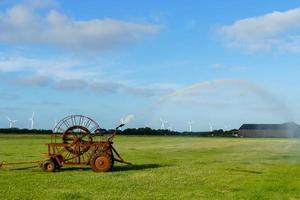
(61, 154)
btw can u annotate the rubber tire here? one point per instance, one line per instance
(101, 162)
(48, 166)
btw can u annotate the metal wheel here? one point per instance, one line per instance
(76, 137)
(101, 162)
(76, 120)
(76, 130)
(48, 166)
(73, 138)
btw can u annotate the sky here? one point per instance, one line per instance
(222, 63)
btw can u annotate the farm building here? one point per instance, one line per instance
(270, 130)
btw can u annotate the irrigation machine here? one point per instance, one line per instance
(77, 140)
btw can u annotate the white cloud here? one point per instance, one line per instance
(217, 66)
(42, 3)
(8, 96)
(126, 88)
(71, 84)
(10, 109)
(24, 25)
(223, 67)
(64, 74)
(57, 69)
(276, 30)
(106, 86)
(150, 90)
(33, 80)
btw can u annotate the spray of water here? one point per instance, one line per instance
(198, 91)
(241, 84)
(127, 119)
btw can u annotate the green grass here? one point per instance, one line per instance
(164, 168)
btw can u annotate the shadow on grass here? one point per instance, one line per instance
(67, 168)
(115, 168)
(136, 167)
(245, 170)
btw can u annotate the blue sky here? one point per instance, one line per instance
(219, 62)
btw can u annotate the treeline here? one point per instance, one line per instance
(157, 132)
(24, 131)
(131, 131)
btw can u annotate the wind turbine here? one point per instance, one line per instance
(11, 122)
(163, 123)
(190, 125)
(32, 121)
(211, 126)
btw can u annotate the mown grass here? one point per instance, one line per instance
(163, 168)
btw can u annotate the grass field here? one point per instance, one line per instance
(164, 168)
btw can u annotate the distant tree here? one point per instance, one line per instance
(131, 131)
